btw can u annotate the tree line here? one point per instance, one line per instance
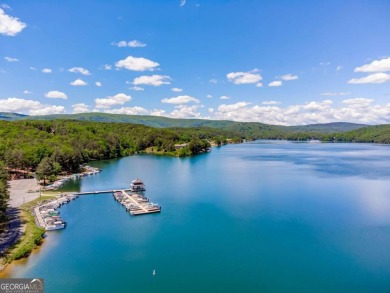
(3, 196)
(63, 145)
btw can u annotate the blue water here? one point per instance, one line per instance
(256, 217)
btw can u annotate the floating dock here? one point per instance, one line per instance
(135, 203)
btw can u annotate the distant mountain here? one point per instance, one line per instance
(11, 116)
(246, 129)
(329, 127)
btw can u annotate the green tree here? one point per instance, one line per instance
(44, 170)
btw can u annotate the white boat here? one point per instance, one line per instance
(59, 225)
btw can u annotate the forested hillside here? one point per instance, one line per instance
(24, 144)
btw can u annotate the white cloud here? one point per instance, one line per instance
(80, 108)
(16, 104)
(27, 92)
(132, 44)
(118, 99)
(185, 111)
(244, 77)
(358, 110)
(154, 80)
(211, 110)
(48, 110)
(180, 100)
(182, 3)
(5, 6)
(259, 84)
(335, 94)
(32, 68)
(209, 96)
(213, 81)
(136, 88)
(78, 82)
(10, 59)
(275, 83)
(176, 89)
(358, 102)
(232, 107)
(289, 77)
(270, 103)
(158, 112)
(9, 25)
(137, 64)
(224, 97)
(81, 70)
(339, 67)
(29, 107)
(98, 84)
(56, 95)
(372, 78)
(46, 70)
(107, 67)
(128, 111)
(382, 65)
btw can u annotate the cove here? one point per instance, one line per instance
(267, 216)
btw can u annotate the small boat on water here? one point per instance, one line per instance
(154, 273)
(137, 185)
(56, 226)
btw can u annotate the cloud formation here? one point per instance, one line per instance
(118, 99)
(176, 90)
(56, 95)
(153, 80)
(78, 82)
(357, 110)
(335, 94)
(275, 83)
(289, 77)
(81, 70)
(10, 59)
(132, 44)
(46, 70)
(244, 77)
(128, 111)
(382, 65)
(372, 78)
(9, 25)
(29, 107)
(180, 100)
(137, 64)
(80, 108)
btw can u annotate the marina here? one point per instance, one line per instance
(48, 217)
(136, 204)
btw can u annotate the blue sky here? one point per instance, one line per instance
(277, 62)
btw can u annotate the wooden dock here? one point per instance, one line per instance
(39, 217)
(137, 205)
(99, 191)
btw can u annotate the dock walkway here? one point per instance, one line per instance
(142, 207)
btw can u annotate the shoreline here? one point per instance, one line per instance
(23, 235)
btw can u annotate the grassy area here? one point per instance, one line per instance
(33, 235)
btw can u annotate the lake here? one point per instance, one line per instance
(267, 216)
